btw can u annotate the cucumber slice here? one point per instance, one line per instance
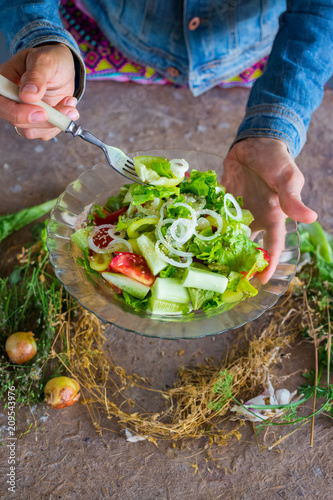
(163, 307)
(80, 237)
(171, 290)
(147, 249)
(197, 278)
(133, 287)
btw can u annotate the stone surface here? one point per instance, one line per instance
(65, 458)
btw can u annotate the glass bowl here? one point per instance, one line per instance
(96, 186)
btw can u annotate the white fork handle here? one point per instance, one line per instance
(11, 91)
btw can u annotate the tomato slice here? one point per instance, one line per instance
(102, 238)
(134, 266)
(111, 218)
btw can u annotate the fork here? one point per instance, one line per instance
(116, 158)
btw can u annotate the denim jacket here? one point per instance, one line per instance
(201, 42)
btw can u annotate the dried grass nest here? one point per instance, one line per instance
(192, 407)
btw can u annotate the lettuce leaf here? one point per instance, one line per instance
(114, 203)
(315, 239)
(17, 220)
(245, 286)
(137, 304)
(85, 263)
(199, 296)
(98, 210)
(124, 222)
(214, 301)
(143, 193)
(162, 167)
(171, 271)
(230, 251)
(199, 183)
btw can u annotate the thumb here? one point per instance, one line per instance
(34, 80)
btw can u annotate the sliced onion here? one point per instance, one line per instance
(95, 248)
(179, 167)
(198, 202)
(190, 209)
(168, 259)
(114, 245)
(167, 245)
(191, 223)
(91, 243)
(152, 207)
(186, 226)
(218, 219)
(116, 234)
(203, 223)
(231, 198)
(102, 226)
(112, 230)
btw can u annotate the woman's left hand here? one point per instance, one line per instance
(264, 174)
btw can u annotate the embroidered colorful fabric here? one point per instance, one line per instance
(104, 62)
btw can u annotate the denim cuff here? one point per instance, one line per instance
(40, 32)
(276, 121)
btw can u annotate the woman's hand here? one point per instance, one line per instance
(42, 73)
(262, 171)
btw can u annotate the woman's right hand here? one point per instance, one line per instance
(43, 73)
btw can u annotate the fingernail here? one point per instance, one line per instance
(73, 114)
(37, 116)
(29, 88)
(71, 101)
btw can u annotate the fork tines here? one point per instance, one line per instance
(130, 166)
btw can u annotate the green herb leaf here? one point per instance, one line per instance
(15, 221)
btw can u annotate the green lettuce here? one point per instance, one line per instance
(162, 167)
(17, 220)
(114, 203)
(143, 193)
(199, 296)
(171, 271)
(211, 303)
(199, 183)
(231, 250)
(245, 286)
(124, 222)
(98, 211)
(85, 263)
(315, 239)
(137, 304)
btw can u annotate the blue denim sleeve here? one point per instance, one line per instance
(282, 100)
(31, 23)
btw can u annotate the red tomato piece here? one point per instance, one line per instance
(102, 238)
(111, 218)
(134, 266)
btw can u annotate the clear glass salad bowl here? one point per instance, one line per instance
(96, 186)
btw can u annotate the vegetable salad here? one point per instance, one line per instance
(174, 244)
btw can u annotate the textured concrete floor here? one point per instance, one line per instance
(65, 459)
